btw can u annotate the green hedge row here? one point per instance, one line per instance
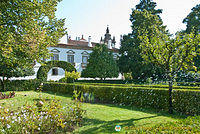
(185, 102)
(105, 81)
(21, 85)
(147, 86)
(133, 82)
(188, 84)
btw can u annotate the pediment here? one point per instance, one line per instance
(55, 50)
(70, 52)
(85, 53)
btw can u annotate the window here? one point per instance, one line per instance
(55, 57)
(70, 58)
(55, 54)
(55, 71)
(84, 59)
(85, 56)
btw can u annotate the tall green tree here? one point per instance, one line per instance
(130, 59)
(28, 27)
(192, 22)
(101, 64)
(148, 5)
(170, 54)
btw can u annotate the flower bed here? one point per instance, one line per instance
(5, 96)
(42, 117)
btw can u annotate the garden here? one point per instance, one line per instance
(55, 107)
(160, 93)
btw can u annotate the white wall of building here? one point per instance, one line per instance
(78, 54)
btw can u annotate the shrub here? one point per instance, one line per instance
(188, 84)
(128, 76)
(184, 101)
(70, 77)
(42, 117)
(190, 76)
(44, 69)
(105, 81)
(149, 80)
(4, 96)
(62, 80)
(22, 85)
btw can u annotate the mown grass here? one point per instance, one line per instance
(100, 118)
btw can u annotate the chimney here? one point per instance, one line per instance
(82, 38)
(109, 44)
(89, 41)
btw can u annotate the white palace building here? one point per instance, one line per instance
(76, 52)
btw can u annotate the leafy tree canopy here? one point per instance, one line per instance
(28, 27)
(131, 59)
(192, 21)
(148, 5)
(170, 54)
(101, 64)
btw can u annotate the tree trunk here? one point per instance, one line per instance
(170, 95)
(101, 80)
(2, 84)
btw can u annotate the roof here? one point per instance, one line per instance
(79, 44)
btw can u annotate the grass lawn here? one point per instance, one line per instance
(100, 118)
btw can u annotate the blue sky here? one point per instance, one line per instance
(91, 17)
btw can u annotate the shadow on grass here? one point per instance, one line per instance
(93, 126)
(57, 94)
(100, 126)
(108, 126)
(44, 99)
(149, 110)
(154, 111)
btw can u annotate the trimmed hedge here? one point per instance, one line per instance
(148, 86)
(106, 81)
(185, 102)
(22, 85)
(188, 84)
(43, 70)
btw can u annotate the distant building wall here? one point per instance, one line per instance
(76, 52)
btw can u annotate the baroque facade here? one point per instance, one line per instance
(75, 52)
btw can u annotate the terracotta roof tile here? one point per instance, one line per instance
(74, 44)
